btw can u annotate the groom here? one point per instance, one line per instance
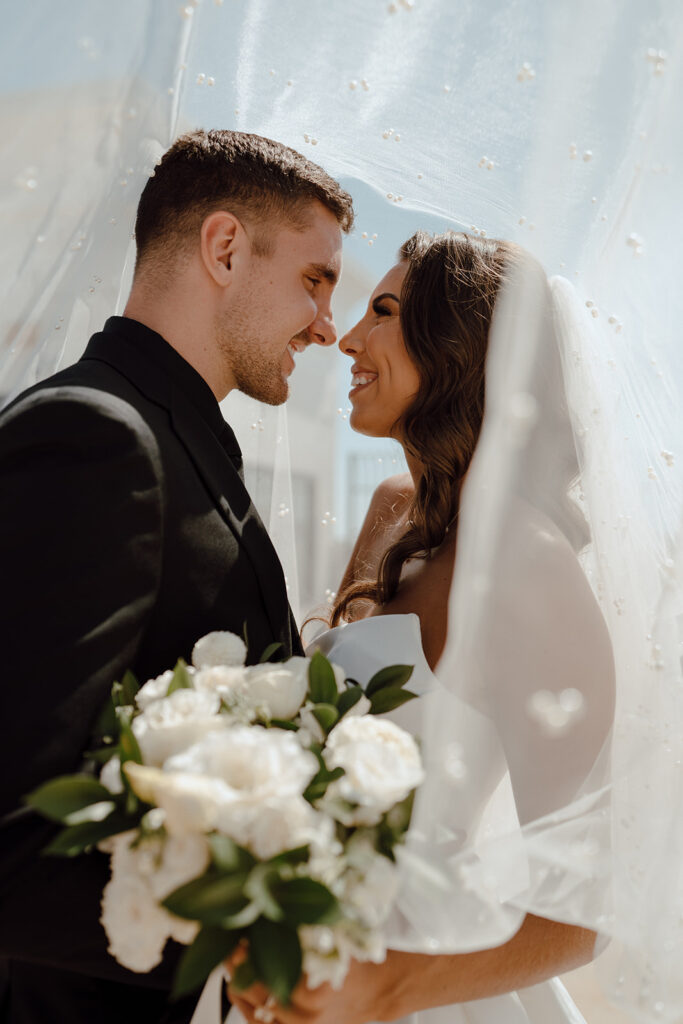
(126, 531)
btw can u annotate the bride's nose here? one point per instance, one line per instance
(352, 342)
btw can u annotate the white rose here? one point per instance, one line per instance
(219, 648)
(174, 723)
(110, 776)
(153, 689)
(279, 689)
(382, 765)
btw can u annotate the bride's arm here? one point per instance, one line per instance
(408, 982)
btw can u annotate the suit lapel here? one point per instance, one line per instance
(232, 498)
(212, 463)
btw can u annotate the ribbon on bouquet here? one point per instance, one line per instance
(208, 1009)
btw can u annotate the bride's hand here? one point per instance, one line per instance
(361, 999)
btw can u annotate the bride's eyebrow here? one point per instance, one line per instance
(379, 298)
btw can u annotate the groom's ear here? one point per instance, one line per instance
(223, 245)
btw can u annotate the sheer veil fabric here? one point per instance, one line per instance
(554, 125)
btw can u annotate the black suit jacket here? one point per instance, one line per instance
(126, 533)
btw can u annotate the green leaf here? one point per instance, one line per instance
(93, 812)
(210, 899)
(257, 888)
(317, 752)
(210, 947)
(392, 675)
(348, 699)
(227, 855)
(244, 976)
(107, 722)
(61, 797)
(76, 839)
(130, 687)
(299, 855)
(283, 723)
(275, 951)
(325, 714)
(269, 652)
(305, 901)
(181, 678)
(387, 700)
(129, 749)
(317, 787)
(398, 817)
(102, 755)
(242, 918)
(322, 684)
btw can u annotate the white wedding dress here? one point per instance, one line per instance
(363, 647)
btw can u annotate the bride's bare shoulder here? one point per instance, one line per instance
(391, 498)
(385, 517)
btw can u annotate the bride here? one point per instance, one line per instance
(418, 376)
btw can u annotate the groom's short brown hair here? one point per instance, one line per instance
(261, 181)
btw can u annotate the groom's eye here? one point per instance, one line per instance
(313, 280)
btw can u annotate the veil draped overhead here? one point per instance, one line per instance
(556, 126)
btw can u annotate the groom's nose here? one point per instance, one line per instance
(323, 331)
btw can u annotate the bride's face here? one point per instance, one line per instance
(384, 379)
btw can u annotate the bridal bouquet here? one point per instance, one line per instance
(237, 803)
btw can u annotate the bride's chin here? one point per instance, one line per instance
(360, 425)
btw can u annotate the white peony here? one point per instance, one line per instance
(153, 689)
(136, 925)
(279, 689)
(174, 723)
(311, 730)
(245, 782)
(254, 762)
(219, 648)
(189, 802)
(110, 776)
(370, 886)
(328, 951)
(275, 825)
(229, 682)
(382, 765)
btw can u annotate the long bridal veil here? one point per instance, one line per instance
(556, 126)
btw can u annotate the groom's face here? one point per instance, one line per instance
(282, 305)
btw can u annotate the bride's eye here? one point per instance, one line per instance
(382, 311)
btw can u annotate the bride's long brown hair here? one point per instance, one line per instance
(446, 308)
